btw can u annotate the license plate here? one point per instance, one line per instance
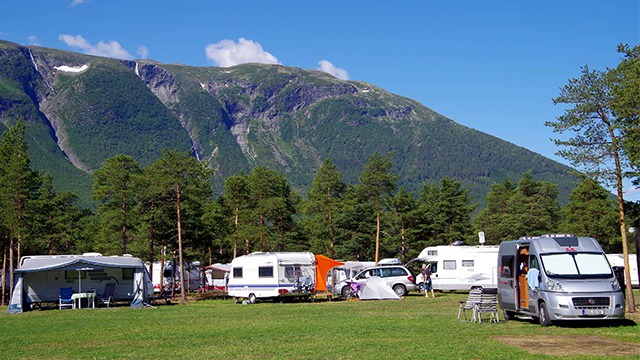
(592, 312)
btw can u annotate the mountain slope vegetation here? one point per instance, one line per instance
(81, 110)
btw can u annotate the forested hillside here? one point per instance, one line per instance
(80, 110)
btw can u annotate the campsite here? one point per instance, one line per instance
(414, 327)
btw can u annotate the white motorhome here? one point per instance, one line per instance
(557, 277)
(618, 260)
(460, 267)
(269, 275)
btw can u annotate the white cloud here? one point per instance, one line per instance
(229, 53)
(33, 40)
(78, 2)
(328, 67)
(143, 52)
(111, 49)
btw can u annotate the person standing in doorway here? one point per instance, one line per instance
(426, 283)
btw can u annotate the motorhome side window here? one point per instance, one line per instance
(265, 271)
(237, 272)
(533, 262)
(507, 266)
(449, 264)
(467, 263)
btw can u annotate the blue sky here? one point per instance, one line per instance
(491, 65)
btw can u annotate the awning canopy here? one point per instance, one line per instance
(323, 265)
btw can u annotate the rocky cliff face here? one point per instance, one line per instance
(234, 118)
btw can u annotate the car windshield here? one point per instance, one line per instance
(576, 265)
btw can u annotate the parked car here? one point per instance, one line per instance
(398, 277)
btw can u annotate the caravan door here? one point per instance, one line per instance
(507, 290)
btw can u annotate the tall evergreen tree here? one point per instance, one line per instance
(402, 209)
(596, 146)
(533, 209)
(19, 186)
(237, 198)
(378, 184)
(324, 199)
(591, 212)
(115, 188)
(184, 180)
(490, 220)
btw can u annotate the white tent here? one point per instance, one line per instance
(39, 278)
(375, 288)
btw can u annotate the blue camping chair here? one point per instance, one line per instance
(65, 300)
(107, 295)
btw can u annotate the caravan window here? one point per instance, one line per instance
(73, 274)
(127, 274)
(237, 272)
(265, 271)
(292, 271)
(467, 263)
(449, 264)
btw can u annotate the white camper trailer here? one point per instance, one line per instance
(618, 260)
(460, 267)
(267, 275)
(39, 279)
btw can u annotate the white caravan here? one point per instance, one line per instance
(260, 275)
(460, 267)
(618, 260)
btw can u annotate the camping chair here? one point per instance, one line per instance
(107, 296)
(474, 297)
(488, 304)
(65, 300)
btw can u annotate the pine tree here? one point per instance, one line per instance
(377, 184)
(19, 186)
(115, 188)
(324, 199)
(596, 146)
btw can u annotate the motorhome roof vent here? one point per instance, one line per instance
(557, 235)
(92, 254)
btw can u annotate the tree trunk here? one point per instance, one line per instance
(235, 236)
(377, 236)
(123, 227)
(4, 273)
(332, 244)
(151, 240)
(183, 294)
(631, 305)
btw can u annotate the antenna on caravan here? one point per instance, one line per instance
(481, 237)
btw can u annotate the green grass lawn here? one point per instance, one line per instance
(219, 329)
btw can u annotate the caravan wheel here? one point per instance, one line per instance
(252, 298)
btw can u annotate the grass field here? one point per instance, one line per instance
(414, 327)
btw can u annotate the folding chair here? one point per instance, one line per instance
(488, 304)
(65, 300)
(469, 305)
(107, 295)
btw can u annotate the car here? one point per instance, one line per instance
(398, 277)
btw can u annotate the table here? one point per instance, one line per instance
(87, 295)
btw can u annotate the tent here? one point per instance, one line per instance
(375, 288)
(39, 278)
(217, 276)
(323, 265)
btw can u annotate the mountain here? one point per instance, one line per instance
(81, 110)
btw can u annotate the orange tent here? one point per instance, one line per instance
(323, 265)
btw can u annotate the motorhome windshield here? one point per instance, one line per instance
(576, 265)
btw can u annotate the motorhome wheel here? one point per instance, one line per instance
(544, 314)
(508, 315)
(252, 298)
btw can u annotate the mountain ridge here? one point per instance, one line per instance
(234, 118)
